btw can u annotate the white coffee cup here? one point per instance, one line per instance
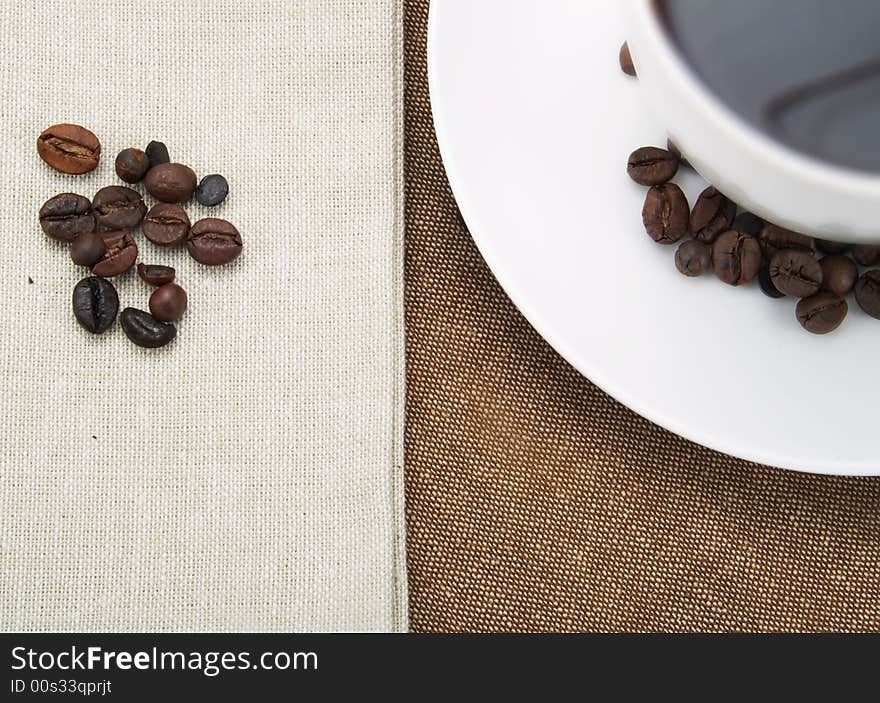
(772, 180)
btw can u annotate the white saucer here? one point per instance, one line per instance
(535, 121)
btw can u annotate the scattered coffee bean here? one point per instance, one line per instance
(665, 213)
(170, 183)
(626, 62)
(693, 258)
(651, 165)
(66, 216)
(166, 224)
(145, 330)
(821, 313)
(839, 273)
(749, 223)
(736, 257)
(796, 273)
(87, 249)
(773, 239)
(212, 190)
(766, 283)
(867, 291)
(120, 256)
(713, 214)
(214, 242)
(155, 275)
(157, 153)
(132, 165)
(69, 148)
(866, 254)
(95, 304)
(118, 207)
(168, 302)
(826, 246)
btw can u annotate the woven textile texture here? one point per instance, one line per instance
(249, 476)
(536, 502)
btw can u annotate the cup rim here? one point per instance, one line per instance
(799, 164)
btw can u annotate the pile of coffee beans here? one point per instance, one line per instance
(101, 232)
(740, 247)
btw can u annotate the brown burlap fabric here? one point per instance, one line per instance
(536, 502)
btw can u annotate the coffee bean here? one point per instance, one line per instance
(95, 304)
(766, 283)
(651, 165)
(839, 273)
(69, 148)
(665, 213)
(867, 291)
(826, 246)
(748, 223)
(170, 183)
(866, 254)
(87, 249)
(821, 313)
(118, 207)
(673, 149)
(120, 256)
(157, 153)
(145, 330)
(168, 302)
(796, 273)
(773, 239)
(66, 216)
(155, 275)
(132, 165)
(214, 242)
(736, 257)
(212, 190)
(626, 62)
(713, 214)
(166, 224)
(693, 258)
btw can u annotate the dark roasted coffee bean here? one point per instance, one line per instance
(839, 273)
(748, 223)
(170, 183)
(651, 165)
(826, 246)
(157, 153)
(214, 242)
(736, 257)
(626, 62)
(867, 291)
(665, 213)
(145, 330)
(773, 239)
(118, 207)
(166, 224)
(821, 313)
(168, 302)
(713, 214)
(766, 283)
(155, 275)
(693, 258)
(866, 254)
(120, 256)
(212, 190)
(796, 273)
(87, 249)
(66, 216)
(69, 148)
(95, 304)
(132, 165)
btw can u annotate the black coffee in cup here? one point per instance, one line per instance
(806, 72)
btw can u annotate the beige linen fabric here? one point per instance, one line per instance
(249, 476)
